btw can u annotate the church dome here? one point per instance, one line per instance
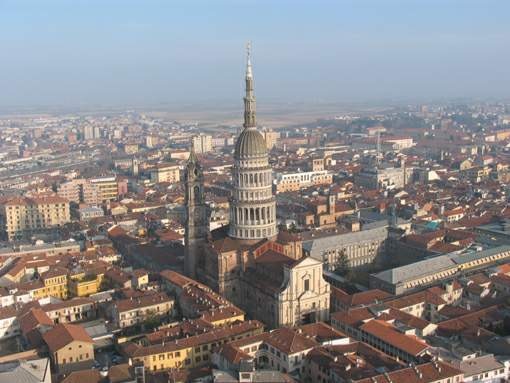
(250, 144)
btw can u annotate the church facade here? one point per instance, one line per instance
(250, 262)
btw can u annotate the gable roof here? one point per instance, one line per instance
(63, 334)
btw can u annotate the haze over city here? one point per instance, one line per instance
(254, 191)
(154, 53)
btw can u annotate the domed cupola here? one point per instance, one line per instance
(252, 203)
(250, 144)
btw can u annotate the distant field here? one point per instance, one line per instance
(275, 117)
(207, 115)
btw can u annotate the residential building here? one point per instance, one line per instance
(70, 348)
(190, 352)
(271, 137)
(9, 325)
(202, 143)
(165, 172)
(22, 216)
(133, 311)
(384, 177)
(73, 310)
(288, 182)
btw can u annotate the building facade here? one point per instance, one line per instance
(287, 182)
(202, 143)
(165, 173)
(21, 216)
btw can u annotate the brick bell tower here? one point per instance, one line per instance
(197, 223)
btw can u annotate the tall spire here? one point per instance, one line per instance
(248, 60)
(192, 155)
(249, 99)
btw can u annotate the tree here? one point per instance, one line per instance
(342, 266)
(293, 229)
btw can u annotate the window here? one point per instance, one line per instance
(307, 284)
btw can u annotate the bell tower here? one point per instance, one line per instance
(197, 224)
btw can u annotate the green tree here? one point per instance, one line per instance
(342, 266)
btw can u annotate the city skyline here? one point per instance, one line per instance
(155, 53)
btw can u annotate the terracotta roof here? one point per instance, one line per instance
(416, 298)
(34, 318)
(120, 373)
(65, 304)
(389, 334)
(271, 256)
(192, 341)
(63, 334)
(423, 373)
(7, 312)
(321, 332)
(176, 278)
(54, 272)
(88, 376)
(353, 317)
(142, 301)
(501, 279)
(233, 354)
(289, 341)
(364, 298)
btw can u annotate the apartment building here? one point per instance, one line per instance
(70, 347)
(80, 190)
(194, 351)
(271, 137)
(132, 311)
(83, 285)
(9, 325)
(287, 182)
(202, 143)
(109, 188)
(165, 173)
(22, 216)
(73, 310)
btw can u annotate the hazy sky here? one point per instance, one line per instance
(80, 53)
